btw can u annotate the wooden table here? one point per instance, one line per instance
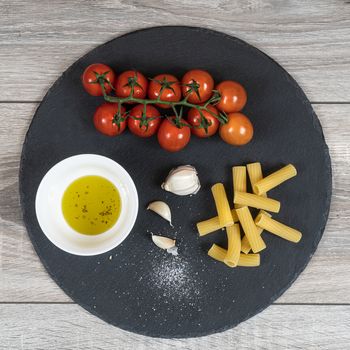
(40, 39)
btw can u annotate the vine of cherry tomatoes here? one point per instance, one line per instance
(197, 106)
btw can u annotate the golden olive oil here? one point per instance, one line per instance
(91, 205)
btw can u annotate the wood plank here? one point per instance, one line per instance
(311, 39)
(23, 279)
(71, 327)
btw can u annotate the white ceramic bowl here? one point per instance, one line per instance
(48, 204)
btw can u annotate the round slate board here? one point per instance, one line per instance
(137, 286)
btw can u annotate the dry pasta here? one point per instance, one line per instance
(255, 175)
(239, 176)
(245, 246)
(252, 200)
(213, 224)
(237, 252)
(222, 205)
(217, 253)
(247, 260)
(275, 179)
(250, 229)
(277, 228)
(234, 245)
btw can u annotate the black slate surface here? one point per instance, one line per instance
(137, 286)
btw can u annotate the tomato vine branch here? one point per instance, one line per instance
(221, 116)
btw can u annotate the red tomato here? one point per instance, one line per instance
(90, 76)
(194, 118)
(238, 130)
(129, 78)
(152, 126)
(173, 138)
(170, 93)
(104, 117)
(202, 88)
(233, 96)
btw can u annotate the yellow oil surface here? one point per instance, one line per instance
(91, 205)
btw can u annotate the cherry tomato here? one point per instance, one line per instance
(238, 130)
(194, 118)
(171, 91)
(90, 76)
(129, 78)
(171, 137)
(152, 126)
(202, 86)
(103, 119)
(233, 96)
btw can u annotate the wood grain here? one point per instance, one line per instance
(39, 40)
(21, 273)
(278, 327)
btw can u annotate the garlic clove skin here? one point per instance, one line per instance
(182, 181)
(164, 243)
(173, 251)
(162, 209)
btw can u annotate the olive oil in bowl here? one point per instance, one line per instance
(91, 205)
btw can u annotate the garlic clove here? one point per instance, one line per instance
(182, 181)
(164, 243)
(162, 209)
(173, 251)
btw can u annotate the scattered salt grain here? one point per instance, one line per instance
(174, 277)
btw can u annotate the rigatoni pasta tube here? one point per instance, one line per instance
(245, 246)
(252, 200)
(234, 245)
(277, 228)
(247, 260)
(274, 179)
(250, 229)
(255, 175)
(222, 205)
(217, 253)
(239, 176)
(213, 224)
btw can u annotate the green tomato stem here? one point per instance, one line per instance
(182, 103)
